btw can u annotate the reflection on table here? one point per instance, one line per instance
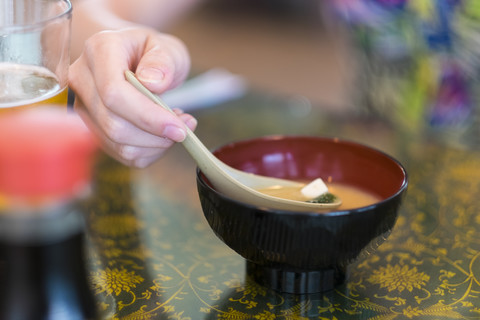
(153, 256)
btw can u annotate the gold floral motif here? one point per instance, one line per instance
(266, 315)
(234, 315)
(233, 283)
(411, 312)
(249, 292)
(398, 278)
(139, 315)
(115, 280)
(117, 225)
(427, 268)
(179, 316)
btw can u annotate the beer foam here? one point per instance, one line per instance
(26, 84)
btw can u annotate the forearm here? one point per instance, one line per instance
(92, 16)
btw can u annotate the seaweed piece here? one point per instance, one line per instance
(324, 198)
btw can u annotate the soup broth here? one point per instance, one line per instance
(352, 197)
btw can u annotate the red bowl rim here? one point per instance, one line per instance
(404, 184)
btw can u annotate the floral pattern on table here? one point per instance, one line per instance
(148, 260)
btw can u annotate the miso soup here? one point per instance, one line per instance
(352, 197)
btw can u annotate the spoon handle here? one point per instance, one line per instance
(192, 144)
(210, 165)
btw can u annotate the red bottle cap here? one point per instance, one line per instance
(44, 152)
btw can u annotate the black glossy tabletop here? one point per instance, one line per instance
(152, 255)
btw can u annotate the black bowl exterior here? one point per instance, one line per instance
(304, 252)
(293, 241)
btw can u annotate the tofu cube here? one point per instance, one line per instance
(314, 189)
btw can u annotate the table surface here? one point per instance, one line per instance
(152, 255)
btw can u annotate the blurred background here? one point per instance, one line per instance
(284, 47)
(413, 63)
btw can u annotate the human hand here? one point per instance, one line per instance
(132, 128)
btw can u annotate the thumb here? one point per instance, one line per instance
(164, 65)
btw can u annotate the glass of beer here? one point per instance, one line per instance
(34, 52)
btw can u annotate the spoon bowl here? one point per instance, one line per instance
(237, 184)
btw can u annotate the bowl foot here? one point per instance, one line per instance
(296, 282)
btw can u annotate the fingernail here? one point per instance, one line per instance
(175, 133)
(150, 75)
(192, 123)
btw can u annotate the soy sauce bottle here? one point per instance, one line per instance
(45, 169)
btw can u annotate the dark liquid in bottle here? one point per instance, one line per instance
(44, 281)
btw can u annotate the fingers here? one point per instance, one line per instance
(130, 155)
(173, 69)
(132, 128)
(108, 55)
(188, 119)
